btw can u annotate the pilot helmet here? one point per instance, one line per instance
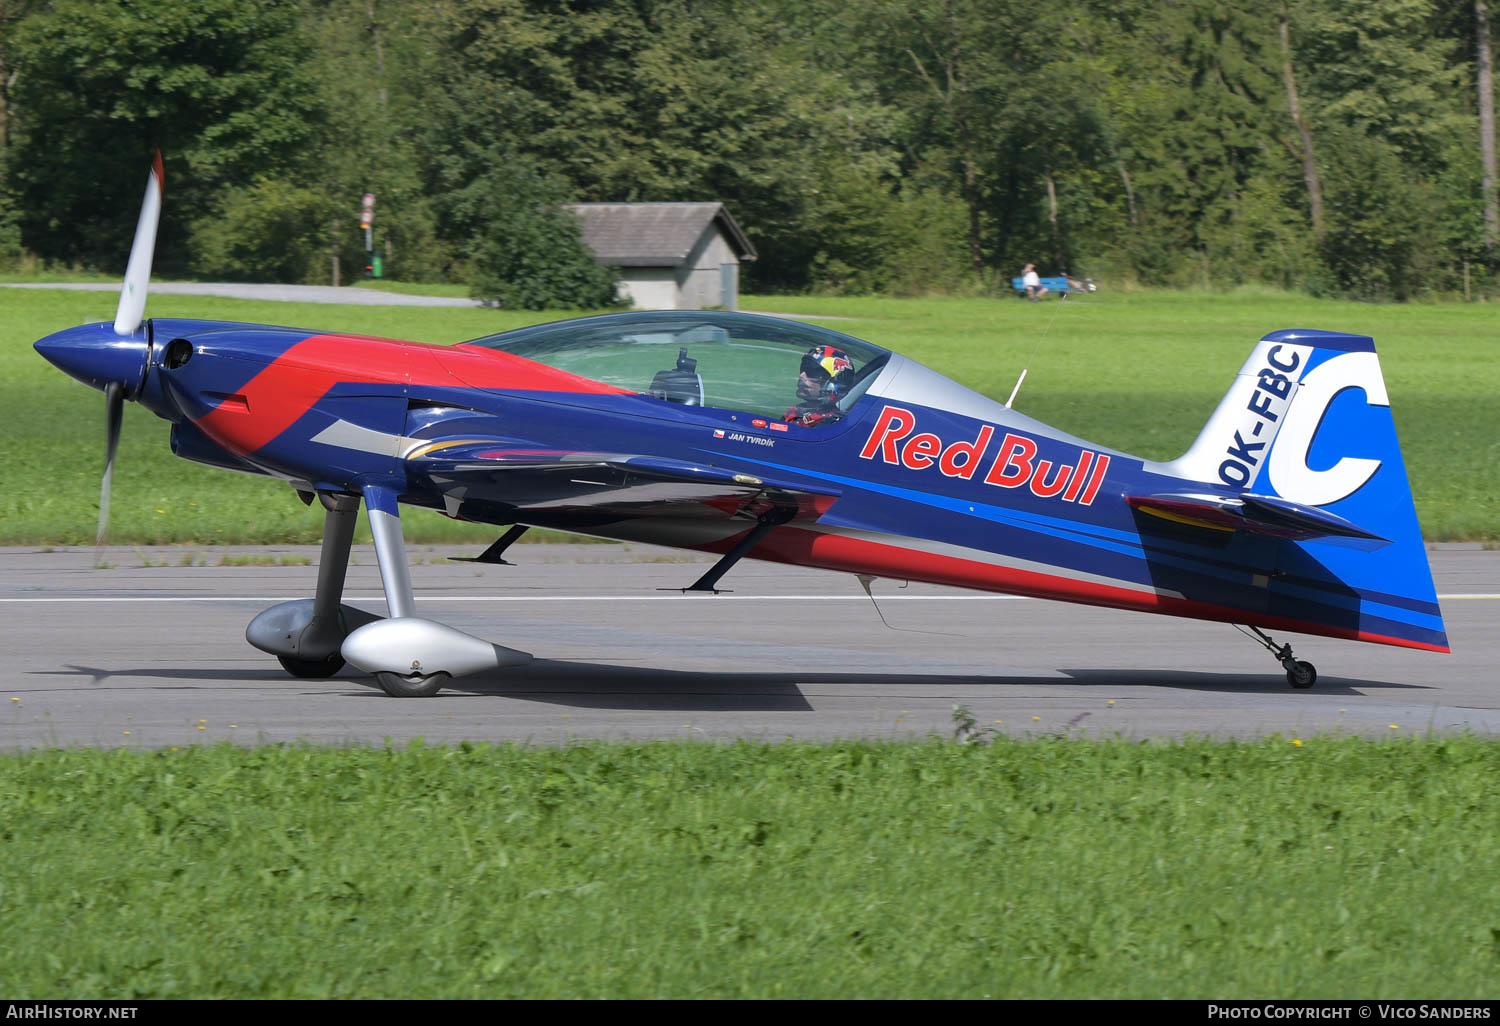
(832, 364)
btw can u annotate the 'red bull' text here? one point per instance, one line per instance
(895, 440)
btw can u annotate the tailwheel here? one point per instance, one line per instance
(412, 685)
(1300, 674)
(312, 668)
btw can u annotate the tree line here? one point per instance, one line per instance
(877, 146)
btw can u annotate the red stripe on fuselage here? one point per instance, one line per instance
(292, 383)
(860, 556)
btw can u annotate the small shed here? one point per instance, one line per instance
(671, 256)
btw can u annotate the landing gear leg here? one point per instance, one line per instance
(395, 578)
(333, 566)
(1299, 673)
(305, 635)
(409, 656)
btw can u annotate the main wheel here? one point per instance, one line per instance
(312, 668)
(414, 685)
(1301, 675)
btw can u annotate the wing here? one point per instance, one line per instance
(495, 483)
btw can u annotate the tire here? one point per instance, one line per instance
(312, 668)
(413, 686)
(1301, 675)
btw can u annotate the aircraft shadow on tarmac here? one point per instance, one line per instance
(603, 686)
(100, 675)
(587, 685)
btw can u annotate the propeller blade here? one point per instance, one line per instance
(138, 271)
(114, 408)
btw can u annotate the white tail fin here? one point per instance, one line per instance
(1261, 436)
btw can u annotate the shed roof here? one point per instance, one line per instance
(653, 234)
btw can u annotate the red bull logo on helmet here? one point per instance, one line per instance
(830, 360)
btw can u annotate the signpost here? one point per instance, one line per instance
(366, 219)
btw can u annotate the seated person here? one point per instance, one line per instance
(1032, 283)
(826, 376)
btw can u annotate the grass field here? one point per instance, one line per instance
(1028, 869)
(1140, 372)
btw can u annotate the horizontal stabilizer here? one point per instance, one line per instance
(1256, 514)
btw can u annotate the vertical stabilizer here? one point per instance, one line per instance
(1308, 420)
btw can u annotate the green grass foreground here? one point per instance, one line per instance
(1051, 867)
(1137, 371)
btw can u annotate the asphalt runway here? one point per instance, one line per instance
(151, 653)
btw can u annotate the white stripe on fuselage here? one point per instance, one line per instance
(344, 434)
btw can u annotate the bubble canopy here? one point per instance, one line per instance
(695, 357)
